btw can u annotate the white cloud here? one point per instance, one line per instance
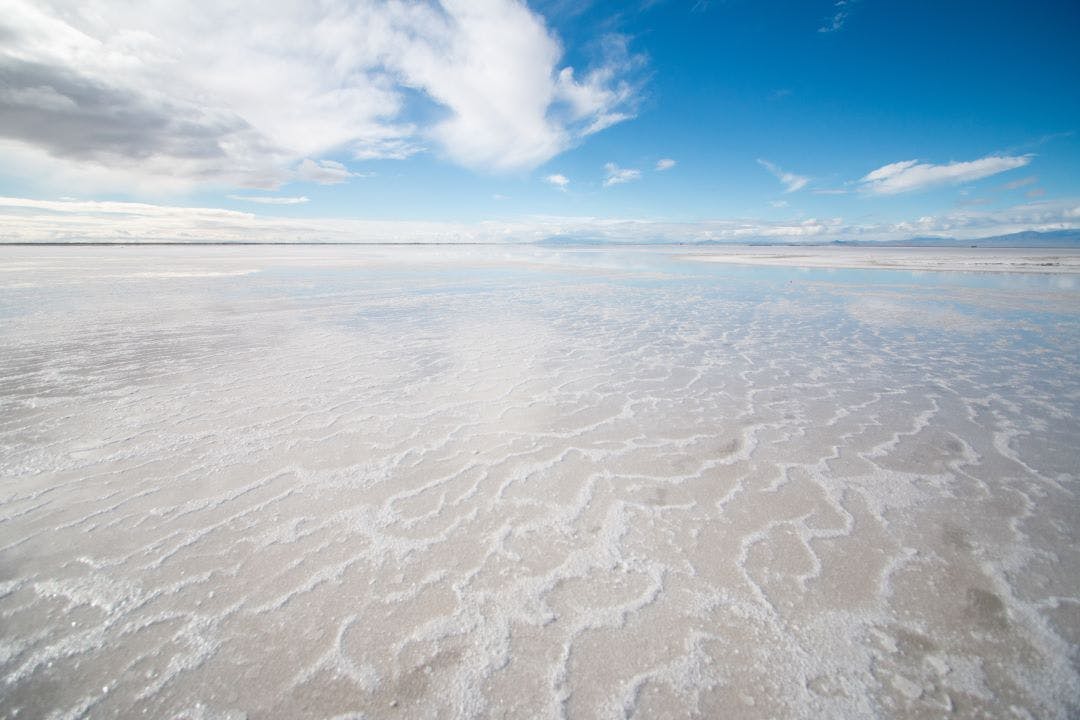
(911, 175)
(26, 220)
(617, 175)
(791, 181)
(237, 93)
(559, 181)
(112, 207)
(665, 164)
(270, 200)
(779, 203)
(323, 172)
(603, 97)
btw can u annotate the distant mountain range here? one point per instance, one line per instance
(1026, 239)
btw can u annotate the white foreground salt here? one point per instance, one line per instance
(400, 482)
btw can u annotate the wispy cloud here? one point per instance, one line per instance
(912, 175)
(791, 181)
(558, 180)
(617, 175)
(324, 172)
(665, 164)
(1035, 143)
(159, 94)
(839, 16)
(29, 220)
(1022, 182)
(779, 203)
(113, 207)
(604, 96)
(270, 200)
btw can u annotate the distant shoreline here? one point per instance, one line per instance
(81, 243)
(1051, 261)
(956, 258)
(705, 247)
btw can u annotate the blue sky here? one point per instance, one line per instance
(496, 120)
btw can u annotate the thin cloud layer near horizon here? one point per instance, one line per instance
(498, 120)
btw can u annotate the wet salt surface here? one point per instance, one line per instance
(394, 482)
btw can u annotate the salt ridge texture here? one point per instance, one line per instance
(372, 482)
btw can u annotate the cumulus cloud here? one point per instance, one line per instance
(238, 93)
(559, 181)
(617, 175)
(791, 181)
(270, 199)
(665, 164)
(27, 220)
(911, 175)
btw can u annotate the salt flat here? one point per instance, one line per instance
(1008, 260)
(515, 482)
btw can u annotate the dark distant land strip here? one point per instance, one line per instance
(1031, 240)
(156, 243)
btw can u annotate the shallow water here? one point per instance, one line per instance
(487, 482)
